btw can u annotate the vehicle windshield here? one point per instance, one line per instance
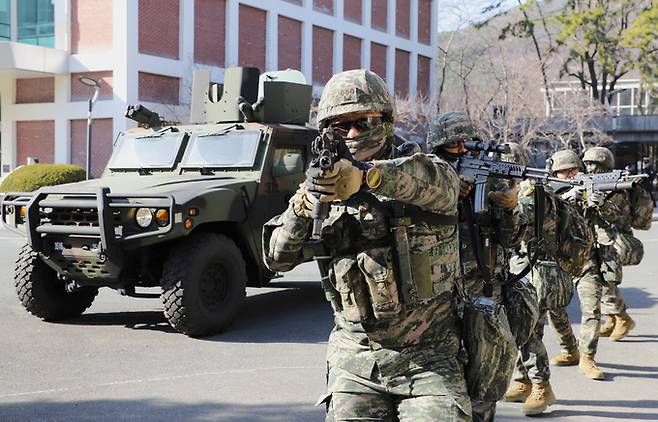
(237, 148)
(156, 151)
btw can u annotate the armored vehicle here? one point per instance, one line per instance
(180, 207)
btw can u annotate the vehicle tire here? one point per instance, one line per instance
(203, 284)
(43, 294)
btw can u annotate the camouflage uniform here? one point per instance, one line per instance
(603, 268)
(393, 354)
(456, 126)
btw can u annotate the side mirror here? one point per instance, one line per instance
(288, 164)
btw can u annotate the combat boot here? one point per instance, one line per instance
(540, 398)
(518, 392)
(607, 326)
(588, 367)
(566, 359)
(623, 325)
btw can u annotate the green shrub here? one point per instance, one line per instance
(32, 177)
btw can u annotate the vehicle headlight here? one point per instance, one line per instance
(143, 217)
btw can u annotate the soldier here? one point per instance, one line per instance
(531, 384)
(602, 268)
(445, 138)
(393, 354)
(617, 322)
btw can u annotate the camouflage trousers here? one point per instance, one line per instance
(589, 288)
(532, 364)
(612, 303)
(375, 402)
(483, 411)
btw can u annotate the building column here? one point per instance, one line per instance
(7, 124)
(232, 42)
(338, 38)
(434, 42)
(125, 72)
(62, 131)
(62, 24)
(186, 42)
(272, 41)
(390, 50)
(366, 13)
(307, 51)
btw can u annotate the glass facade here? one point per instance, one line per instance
(5, 20)
(36, 22)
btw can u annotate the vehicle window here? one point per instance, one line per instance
(146, 152)
(229, 149)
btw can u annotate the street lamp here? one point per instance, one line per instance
(97, 87)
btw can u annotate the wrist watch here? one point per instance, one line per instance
(372, 178)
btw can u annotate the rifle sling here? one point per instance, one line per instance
(398, 209)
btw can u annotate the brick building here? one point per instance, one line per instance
(145, 50)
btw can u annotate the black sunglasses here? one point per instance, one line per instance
(362, 125)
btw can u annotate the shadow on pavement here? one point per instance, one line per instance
(154, 410)
(650, 372)
(637, 298)
(295, 312)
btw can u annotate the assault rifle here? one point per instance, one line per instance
(327, 149)
(484, 162)
(613, 181)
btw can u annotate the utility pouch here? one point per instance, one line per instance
(554, 285)
(352, 289)
(629, 248)
(490, 348)
(377, 268)
(422, 275)
(403, 258)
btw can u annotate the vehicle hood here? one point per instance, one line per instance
(182, 187)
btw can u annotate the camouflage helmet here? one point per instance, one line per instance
(600, 155)
(565, 160)
(517, 154)
(354, 91)
(450, 127)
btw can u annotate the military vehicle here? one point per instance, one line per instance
(180, 207)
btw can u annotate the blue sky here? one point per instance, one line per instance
(456, 13)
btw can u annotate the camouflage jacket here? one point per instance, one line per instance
(603, 221)
(379, 325)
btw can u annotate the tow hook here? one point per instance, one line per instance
(71, 286)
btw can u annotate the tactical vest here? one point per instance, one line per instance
(385, 264)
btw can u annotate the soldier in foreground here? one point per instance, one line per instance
(632, 209)
(446, 136)
(393, 354)
(603, 267)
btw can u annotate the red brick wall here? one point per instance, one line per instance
(35, 139)
(351, 52)
(323, 47)
(324, 6)
(35, 90)
(423, 83)
(158, 88)
(88, 32)
(252, 37)
(102, 136)
(402, 12)
(352, 10)
(424, 21)
(82, 92)
(159, 22)
(290, 43)
(378, 59)
(379, 14)
(401, 73)
(209, 31)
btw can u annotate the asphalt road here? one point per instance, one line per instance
(121, 361)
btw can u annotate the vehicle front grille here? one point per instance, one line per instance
(69, 216)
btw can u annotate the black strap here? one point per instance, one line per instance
(476, 241)
(431, 218)
(398, 209)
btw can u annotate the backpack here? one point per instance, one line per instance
(641, 209)
(574, 238)
(629, 248)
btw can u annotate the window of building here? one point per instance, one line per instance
(36, 22)
(5, 20)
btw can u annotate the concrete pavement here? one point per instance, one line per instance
(121, 361)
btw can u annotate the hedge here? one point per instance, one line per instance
(32, 177)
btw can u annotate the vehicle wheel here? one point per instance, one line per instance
(203, 284)
(43, 294)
